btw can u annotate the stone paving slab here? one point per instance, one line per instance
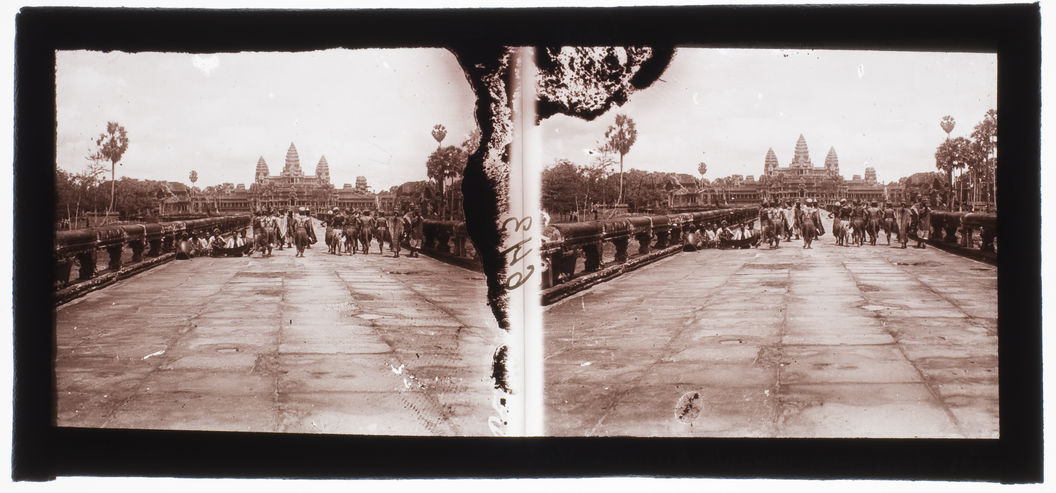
(828, 342)
(321, 344)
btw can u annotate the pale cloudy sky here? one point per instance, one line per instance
(370, 112)
(726, 107)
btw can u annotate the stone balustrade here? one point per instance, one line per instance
(656, 236)
(956, 231)
(449, 241)
(149, 244)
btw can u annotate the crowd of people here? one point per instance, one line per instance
(217, 244)
(279, 229)
(348, 231)
(854, 223)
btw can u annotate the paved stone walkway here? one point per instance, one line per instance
(829, 342)
(321, 344)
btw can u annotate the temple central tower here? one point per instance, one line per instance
(801, 157)
(293, 163)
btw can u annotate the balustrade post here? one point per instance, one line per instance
(592, 252)
(661, 239)
(966, 235)
(86, 260)
(987, 236)
(137, 247)
(63, 265)
(621, 249)
(168, 241)
(460, 246)
(936, 229)
(550, 272)
(429, 239)
(443, 237)
(643, 242)
(115, 256)
(951, 229)
(155, 248)
(563, 265)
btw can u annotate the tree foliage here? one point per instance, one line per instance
(568, 187)
(439, 132)
(976, 154)
(446, 162)
(621, 135)
(984, 145)
(952, 154)
(947, 123)
(193, 176)
(111, 146)
(563, 187)
(82, 192)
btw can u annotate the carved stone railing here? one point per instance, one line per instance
(955, 231)
(150, 244)
(657, 236)
(449, 241)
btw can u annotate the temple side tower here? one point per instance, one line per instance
(262, 170)
(832, 163)
(770, 163)
(322, 171)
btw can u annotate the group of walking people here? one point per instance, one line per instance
(289, 228)
(854, 222)
(351, 231)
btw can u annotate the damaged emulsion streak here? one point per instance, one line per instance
(498, 370)
(579, 82)
(485, 181)
(575, 81)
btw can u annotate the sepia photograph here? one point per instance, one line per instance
(776, 243)
(268, 242)
(700, 241)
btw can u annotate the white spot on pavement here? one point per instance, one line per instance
(156, 353)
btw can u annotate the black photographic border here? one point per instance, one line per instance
(42, 451)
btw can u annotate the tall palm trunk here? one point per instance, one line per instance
(113, 169)
(619, 199)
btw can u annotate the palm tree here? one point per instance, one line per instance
(111, 145)
(620, 137)
(439, 132)
(947, 123)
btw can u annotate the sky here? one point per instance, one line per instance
(726, 107)
(369, 112)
